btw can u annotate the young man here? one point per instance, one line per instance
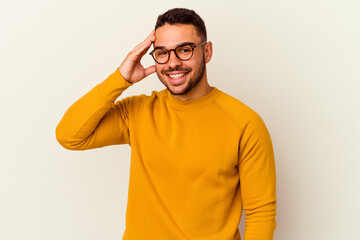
(199, 156)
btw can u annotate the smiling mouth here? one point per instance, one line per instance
(176, 76)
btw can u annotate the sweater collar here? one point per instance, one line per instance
(179, 104)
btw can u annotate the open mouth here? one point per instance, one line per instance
(177, 78)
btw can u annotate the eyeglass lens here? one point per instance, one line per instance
(182, 52)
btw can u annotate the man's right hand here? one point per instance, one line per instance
(131, 68)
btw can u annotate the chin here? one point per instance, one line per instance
(181, 85)
(175, 91)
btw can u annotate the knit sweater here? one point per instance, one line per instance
(195, 165)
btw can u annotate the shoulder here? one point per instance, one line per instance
(138, 101)
(143, 98)
(242, 114)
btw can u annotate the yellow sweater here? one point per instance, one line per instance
(195, 165)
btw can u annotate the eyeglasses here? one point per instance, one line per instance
(182, 52)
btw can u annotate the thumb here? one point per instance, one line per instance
(150, 70)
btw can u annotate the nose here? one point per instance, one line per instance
(173, 60)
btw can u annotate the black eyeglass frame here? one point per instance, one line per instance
(174, 49)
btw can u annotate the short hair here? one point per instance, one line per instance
(182, 16)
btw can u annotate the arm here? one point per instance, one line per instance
(94, 120)
(257, 181)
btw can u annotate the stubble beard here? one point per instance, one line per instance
(190, 84)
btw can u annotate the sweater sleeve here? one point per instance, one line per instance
(95, 120)
(257, 181)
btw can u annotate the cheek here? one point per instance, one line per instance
(193, 64)
(158, 68)
(158, 73)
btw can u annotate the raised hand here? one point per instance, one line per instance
(131, 68)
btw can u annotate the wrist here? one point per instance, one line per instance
(123, 76)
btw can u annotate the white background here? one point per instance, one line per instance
(295, 62)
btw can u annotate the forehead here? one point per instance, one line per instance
(170, 36)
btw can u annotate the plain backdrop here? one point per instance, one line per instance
(295, 62)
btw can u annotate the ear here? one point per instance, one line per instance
(208, 49)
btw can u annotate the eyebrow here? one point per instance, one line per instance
(179, 45)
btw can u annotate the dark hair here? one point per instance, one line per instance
(183, 16)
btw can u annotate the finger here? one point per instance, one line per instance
(145, 45)
(150, 70)
(145, 42)
(152, 33)
(139, 53)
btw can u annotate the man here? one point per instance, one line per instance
(199, 156)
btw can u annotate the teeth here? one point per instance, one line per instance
(176, 76)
